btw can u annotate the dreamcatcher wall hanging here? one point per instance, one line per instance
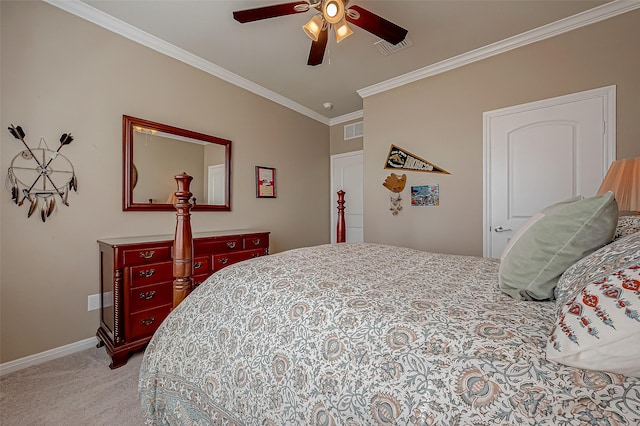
(395, 184)
(39, 175)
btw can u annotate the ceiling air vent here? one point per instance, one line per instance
(387, 48)
(352, 131)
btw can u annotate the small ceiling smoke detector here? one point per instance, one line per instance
(327, 105)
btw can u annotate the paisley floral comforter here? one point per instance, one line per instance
(364, 334)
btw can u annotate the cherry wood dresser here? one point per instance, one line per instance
(137, 281)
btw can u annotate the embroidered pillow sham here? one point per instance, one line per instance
(599, 328)
(620, 254)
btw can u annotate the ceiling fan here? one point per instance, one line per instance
(330, 13)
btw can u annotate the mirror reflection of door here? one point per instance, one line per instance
(216, 184)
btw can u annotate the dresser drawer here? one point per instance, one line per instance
(201, 265)
(217, 246)
(151, 296)
(146, 255)
(222, 260)
(255, 253)
(145, 323)
(150, 274)
(256, 241)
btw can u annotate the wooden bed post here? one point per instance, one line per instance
(183, 242)
(341, 230)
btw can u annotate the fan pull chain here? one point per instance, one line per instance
(329, 45)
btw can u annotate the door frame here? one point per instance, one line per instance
(333, 199)
(608, 96)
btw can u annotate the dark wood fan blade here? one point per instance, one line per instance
(378, 26)
(266, 12)
(316, 54)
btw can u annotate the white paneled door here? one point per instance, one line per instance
(347, 175)
(541, 153)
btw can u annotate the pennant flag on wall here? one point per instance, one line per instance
(398, 158)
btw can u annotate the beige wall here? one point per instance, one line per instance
(440, 120)
(63, 74)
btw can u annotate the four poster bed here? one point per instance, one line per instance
(366, 334)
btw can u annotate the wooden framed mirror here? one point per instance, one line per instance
(154, 153)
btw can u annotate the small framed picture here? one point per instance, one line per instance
(427, 195)
(265, 182)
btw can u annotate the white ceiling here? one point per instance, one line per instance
(269, 57)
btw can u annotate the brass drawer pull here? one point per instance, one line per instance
(148, 273)
(148, 295)
(256, 241)
(223, 260)
(148, 321)
(197, 265)
(231, 244)
(147, 254)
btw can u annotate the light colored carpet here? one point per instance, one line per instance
(78, 389)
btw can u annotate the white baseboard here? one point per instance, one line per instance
(28, 361)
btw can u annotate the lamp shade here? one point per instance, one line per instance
(342, 30)
(313, 27)
(623, 178)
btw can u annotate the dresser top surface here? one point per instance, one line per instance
(118, 241)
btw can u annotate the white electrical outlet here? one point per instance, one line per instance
(93, 302)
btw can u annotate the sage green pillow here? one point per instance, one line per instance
(561, 235)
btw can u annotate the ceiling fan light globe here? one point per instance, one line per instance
(313, 27)
(342, 30)
(333, 11)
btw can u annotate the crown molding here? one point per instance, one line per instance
(588, 17)
(347, 117)
(91, 14)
